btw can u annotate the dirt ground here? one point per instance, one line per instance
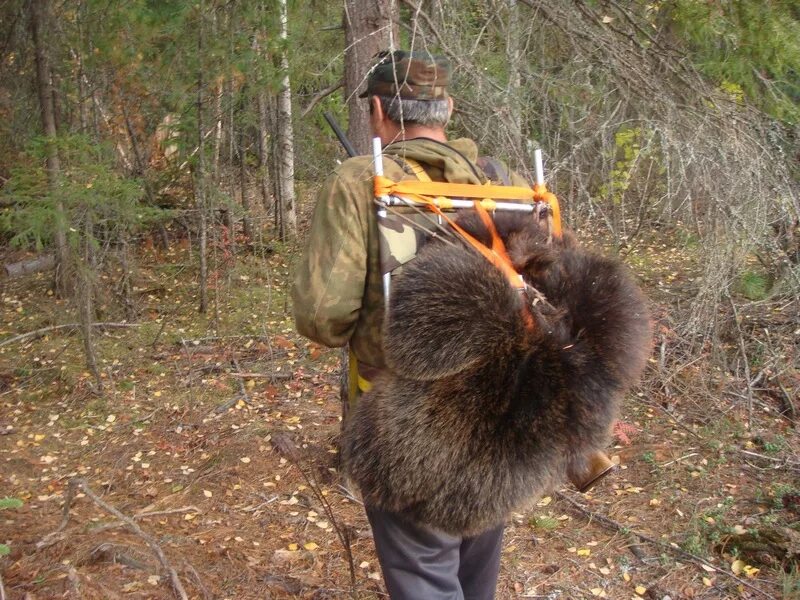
(209, 462)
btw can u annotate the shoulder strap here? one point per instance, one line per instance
(417, 169)
(494, 170)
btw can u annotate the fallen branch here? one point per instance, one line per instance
(31, 265)
(624, 529)
(77, 483)
(145, 515)
(206, 594)
(74, 580)
(45, 330)
(225, 406)
(114, 554)
(276, 376)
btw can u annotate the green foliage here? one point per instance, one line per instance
(543, 522)
(6, 503)
(779, 491)
(790, 584)
(87, 187)
(709, 528)
(628, 148)
(753, 285)
(750, 47)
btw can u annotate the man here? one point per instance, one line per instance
(338, 298)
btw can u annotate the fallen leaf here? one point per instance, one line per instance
(737, 566)
(750, 572)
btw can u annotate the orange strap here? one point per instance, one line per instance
(496, 254)
(426, 191)
(540, 193)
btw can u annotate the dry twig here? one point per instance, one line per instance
(77, 483)
(286, 448)
(45, 330)
(674, 549)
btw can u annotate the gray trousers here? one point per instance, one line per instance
(420, 563)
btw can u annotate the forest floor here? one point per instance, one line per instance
(215, 440)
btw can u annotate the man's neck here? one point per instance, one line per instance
(420, 131)
(416, 131)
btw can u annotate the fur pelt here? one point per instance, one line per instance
(478, 415)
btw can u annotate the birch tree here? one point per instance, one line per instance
(285, 133)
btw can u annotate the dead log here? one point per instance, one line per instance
(31, 265)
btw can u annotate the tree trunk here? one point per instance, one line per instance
(262, 102)
(247, 229)
(370, 26)
(219, 90)
(286, 135)
(85, 291)
(83, 116)
(200, 192)
(38, 23)
(263, 151)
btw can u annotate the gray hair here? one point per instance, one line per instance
(431, 113)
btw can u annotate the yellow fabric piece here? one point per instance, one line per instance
(417, 169)
(352, 379)
(364, 385)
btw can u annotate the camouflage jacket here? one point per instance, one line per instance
(337, 292)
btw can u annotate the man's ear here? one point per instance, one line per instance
(449, 107)
(377, 109)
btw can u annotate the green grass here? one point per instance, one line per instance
(753, 285)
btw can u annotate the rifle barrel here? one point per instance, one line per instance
(348, 147)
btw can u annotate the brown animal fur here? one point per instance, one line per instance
(477, 416)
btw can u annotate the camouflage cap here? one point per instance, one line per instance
(411, 75)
